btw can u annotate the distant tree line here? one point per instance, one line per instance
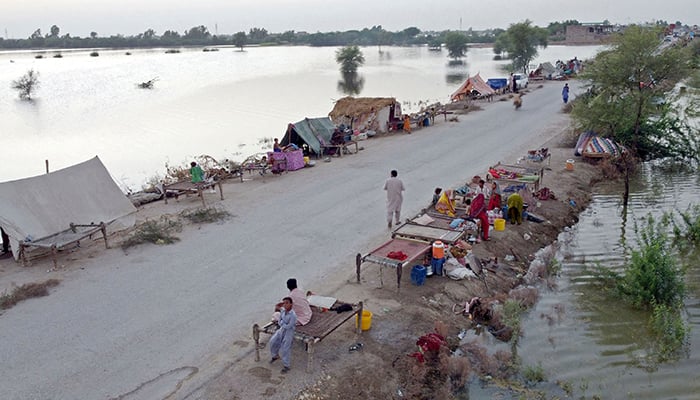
(200, 36)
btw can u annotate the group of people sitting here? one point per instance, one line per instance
(479, 201)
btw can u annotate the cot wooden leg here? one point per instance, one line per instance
(103, 228)
(54, 252)
(200, 192)
(256, 338)
(359, 319)
(358, 263)
(399, 271)
(22, 253)
(309, 355)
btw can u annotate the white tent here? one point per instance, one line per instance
(43, 206)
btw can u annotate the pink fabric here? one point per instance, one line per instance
(295, 161)
(300, 306)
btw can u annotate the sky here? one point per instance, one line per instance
(20, 18)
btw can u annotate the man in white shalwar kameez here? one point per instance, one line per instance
(281, 341)
(394, 197)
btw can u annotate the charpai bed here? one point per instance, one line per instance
(429, 233)
(412, 249)
(323, 323)
(187, 187)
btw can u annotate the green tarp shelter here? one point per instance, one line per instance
(310, 131)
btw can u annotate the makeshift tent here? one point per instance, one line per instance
(474, 85)
(32, 209)
(377, 114)
(309, 131)
(545, 70)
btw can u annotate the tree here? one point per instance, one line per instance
(626, 82)
(93, 34)
(26, 84)
(197, 33)
(55, 30)
(239, 40)
(257, 35)
(350, 58)
(521, 41)
(456, 45)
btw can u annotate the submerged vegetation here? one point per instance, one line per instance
(653, 279)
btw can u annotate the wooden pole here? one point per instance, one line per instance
(47, 165)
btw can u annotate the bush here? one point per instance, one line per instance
(652, 275)
(202, 215)
(686, 232)
(534, 374)
(156, 232)
(670, 333)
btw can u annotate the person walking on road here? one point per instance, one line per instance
(394, 197)
(565, 93)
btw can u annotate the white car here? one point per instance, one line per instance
(521, 80)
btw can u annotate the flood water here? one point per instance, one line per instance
(581, 336)
(217, 103)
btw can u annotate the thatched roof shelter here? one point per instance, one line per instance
(357, 107)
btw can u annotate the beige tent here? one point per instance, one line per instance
(39, 210)
(474, 86)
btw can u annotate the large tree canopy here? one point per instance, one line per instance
(521, 41)
(350, 58)
(456, 44)
(628, 84)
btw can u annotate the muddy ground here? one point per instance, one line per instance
(383, 368)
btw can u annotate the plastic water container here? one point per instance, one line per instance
(437, 264)
(499, 224)
(570, 165)
(418, 274)
(438, 249)
(366, 320)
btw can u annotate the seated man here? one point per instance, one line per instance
(301, 306)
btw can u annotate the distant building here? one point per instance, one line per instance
(588, 33)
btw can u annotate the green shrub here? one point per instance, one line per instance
(670, 332)
(202, 215)
(686, 232)
(653, 276)
(534, 374)
(156, 232)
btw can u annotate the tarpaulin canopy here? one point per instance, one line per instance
(310, 131)
(473, 84)
(41, 206)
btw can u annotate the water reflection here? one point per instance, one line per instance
(601, 343)
(221, 96)
(351, 84)
(456, 77)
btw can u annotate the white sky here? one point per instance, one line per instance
(19, 18)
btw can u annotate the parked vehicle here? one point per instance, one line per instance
(521, 80)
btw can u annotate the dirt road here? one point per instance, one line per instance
(164, 320)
